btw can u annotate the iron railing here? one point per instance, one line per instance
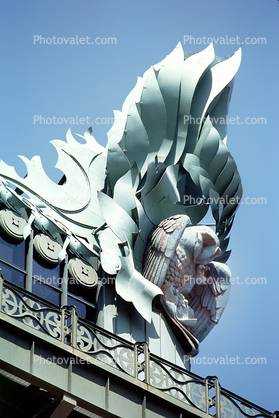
(133, 359)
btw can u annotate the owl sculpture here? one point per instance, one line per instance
(135, 208)
(179, 259)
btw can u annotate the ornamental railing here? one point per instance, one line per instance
(133, 359)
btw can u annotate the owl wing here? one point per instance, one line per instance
(208, 300)
(159, 252)
(161, 246)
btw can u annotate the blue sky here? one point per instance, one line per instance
(40, 81)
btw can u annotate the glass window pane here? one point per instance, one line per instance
(49, 275)
(13, 253)
(83, 311)
(12, 275)
(46, 292)
(86, 293)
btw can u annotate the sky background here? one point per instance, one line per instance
(90, 81)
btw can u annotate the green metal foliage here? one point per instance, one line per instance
(166, 155)
(214, 171)
(167, 146)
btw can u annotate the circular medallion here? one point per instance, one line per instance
(12, 224)
(47, 248)
(83, 273)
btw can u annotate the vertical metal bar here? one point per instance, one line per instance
(107, 390)
(62, 325)
(1, 291)
(64, 284)
(74, 327)
(206, 397)
(144, 407)
(29, 262)
(32, 355)
(217, 399)
(136, 360)
(70, 372)
(147, 363)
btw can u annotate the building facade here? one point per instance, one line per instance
(98, 309)
(65, 355)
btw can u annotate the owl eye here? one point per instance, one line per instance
(207, 239)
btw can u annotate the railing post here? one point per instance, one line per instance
(136, 360)
(74, 324)
(63, 325)
(69, 312)
(146, 363)
(141, 348)
(206, 397)
(217, 398)
(212, 383)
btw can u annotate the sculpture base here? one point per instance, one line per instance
(121, 318)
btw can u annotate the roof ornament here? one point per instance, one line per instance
(137, 205)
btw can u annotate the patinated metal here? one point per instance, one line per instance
(166, 158)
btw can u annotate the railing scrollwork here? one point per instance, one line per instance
(133, 359)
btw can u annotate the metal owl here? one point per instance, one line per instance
(179, 259)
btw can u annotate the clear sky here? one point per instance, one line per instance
(49, 80)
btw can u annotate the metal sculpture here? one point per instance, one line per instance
(165, 164)
(178, 259)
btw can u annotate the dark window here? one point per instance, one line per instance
(13, 253)
(47, 274)
(46, 278)
(84, 311)
(12, 275)
(46, 292)
(86, 293)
